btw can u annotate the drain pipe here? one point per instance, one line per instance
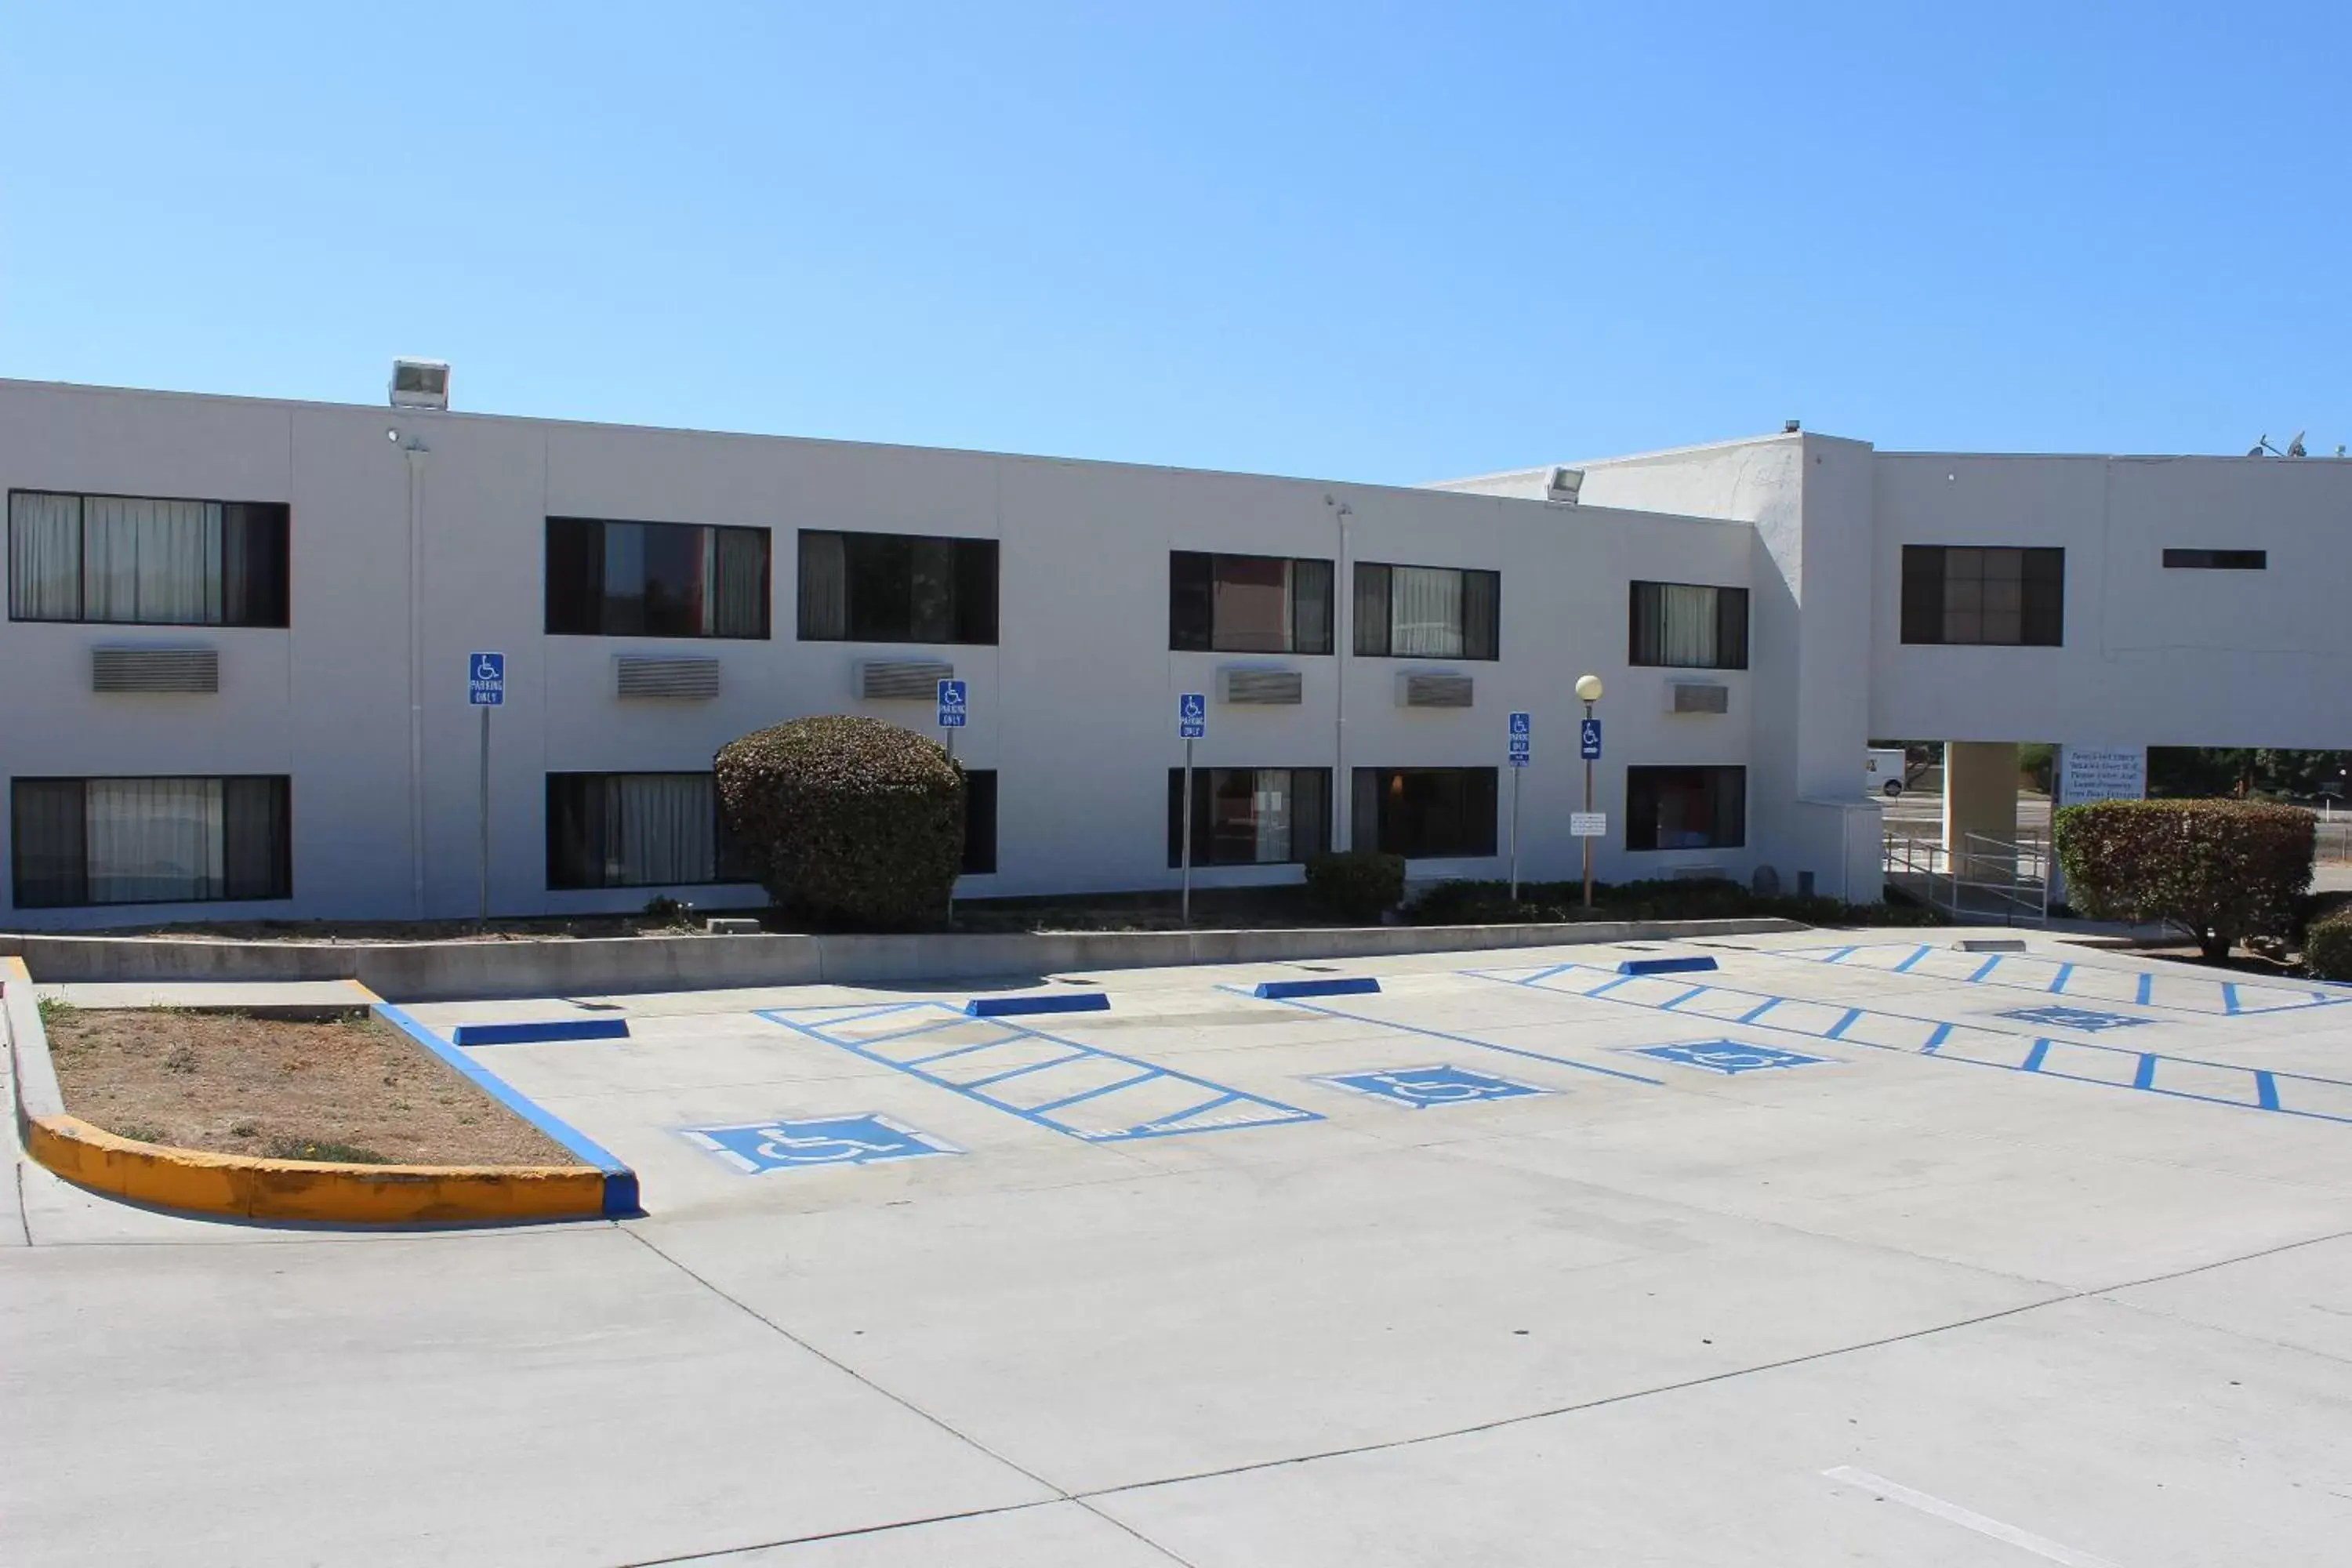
(415, 452)
(1343, 601)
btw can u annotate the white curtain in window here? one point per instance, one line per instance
(824, 586)
(154, 840)
(660, 829)
(1425, 612)
(1688, 614)
(157, 562)
(736, 588)
(44, 557)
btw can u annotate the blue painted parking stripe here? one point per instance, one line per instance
(1694, 991)
(2185, 991)
(1200, 1110)
(1916, 954)
(2145, 1077)
(2266, 1090)
(2230, 996)
(1987, 967)
(1843, 1025)
(1754, 1012)
(1465, 1039)
(1839, 954)
(2058, 982)
(2147, 985)
(918, 1030)
(1092, 1093)
(1023, 1071)
(1943, 1032)
(2036, 1056)
(960, 1050)
(1604, 990)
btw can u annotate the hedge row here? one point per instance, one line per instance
(2221, 870)
(2327, 948)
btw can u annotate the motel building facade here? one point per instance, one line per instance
(233, 674)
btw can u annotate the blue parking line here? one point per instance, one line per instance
(1987, 967)
(1943, 1032)
(958, 1051)
(1916, 954)
(907, 1034)
(1839, 956)
(1843, 1025)
(2058, 981)
(1200, 1110)
(1694, 991)
(2147, 988)
(970, 1083)
(2145, 1077)
(1464, 1039)
(2034, 1057)
(1752, 1013)
(1091, 1093)
(1610, 987)
(2229, 997)
(2266, 1088)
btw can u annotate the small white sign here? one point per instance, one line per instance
(2094, 772)
(1588, 825)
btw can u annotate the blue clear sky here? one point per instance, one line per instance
(1366, 240)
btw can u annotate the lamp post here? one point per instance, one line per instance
(1588, 692)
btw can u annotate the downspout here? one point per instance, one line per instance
(415, 452)
(1343, 602)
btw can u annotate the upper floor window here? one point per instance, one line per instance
(1251, 816)
(78, 841)
(897, 587)
(1427, 611)
(1686, 627)
(139, 560)
(1685, 808)
(1976, 593)
(2219, 560)
(655, 579)
(1424, 813)
(1248, 604)
(639, 830)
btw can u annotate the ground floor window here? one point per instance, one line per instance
(149, 840)
(979, 821)
(1685, 808)
(638, 830)
(1251, 816)
(1425, 813)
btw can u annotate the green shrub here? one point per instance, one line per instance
(2327, 948)
(853, 822)
(2221, 870)
(1356, 884)
(1466, 902)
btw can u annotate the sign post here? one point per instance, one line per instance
(486, 688)
(1522, 752)
(1588, 746)
(955, 710)
(1192, 724)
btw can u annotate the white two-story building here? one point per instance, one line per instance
(233, 676)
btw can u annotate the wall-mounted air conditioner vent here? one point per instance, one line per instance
(155, 670)
(1433, 691)
(420, 384)
(660, 674)
(1698, 697)
(901, 680)
(1260, 684)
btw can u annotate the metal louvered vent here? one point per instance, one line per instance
(1259, 685)
(659, 675)
(155, 670)
(1433, 691)
(1699, 697)
(902, 679)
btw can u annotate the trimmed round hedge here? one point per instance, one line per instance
(853, 821)
(2221, 870)
(2327, 948)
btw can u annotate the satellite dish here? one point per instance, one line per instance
(2295, 447)
(2262, 445)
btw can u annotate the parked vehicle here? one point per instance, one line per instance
(1883, 772)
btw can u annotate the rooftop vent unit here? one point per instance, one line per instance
(1562, 486)
(420, 384)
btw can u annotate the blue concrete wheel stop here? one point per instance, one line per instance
(1281, 990)
(1665, 965)
(552, 1029)
(1059, 1002)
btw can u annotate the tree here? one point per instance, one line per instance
(2221, 871)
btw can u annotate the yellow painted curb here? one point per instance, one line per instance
(249, 1188)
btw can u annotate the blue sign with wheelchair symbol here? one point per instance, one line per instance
(1192, 716)
(1523, 724)
(1728, 1057)
(485, 679)
(1588, 740)
(954, 706)
(1420, 1088)
(756, 1147)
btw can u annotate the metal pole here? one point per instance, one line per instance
(1515, 832)
(1588, 807)
(951, 880)
(1187, 905)
(482, 905)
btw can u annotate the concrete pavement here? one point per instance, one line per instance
(2096, 1298)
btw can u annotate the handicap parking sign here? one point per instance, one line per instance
(1522, 724)
(485, 679)
(756, 1147)
(1420, 1088)
(1728, 1057)
(953, 707)
(1588, 740)
(1192, 716)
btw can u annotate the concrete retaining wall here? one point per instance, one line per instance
(442, 972)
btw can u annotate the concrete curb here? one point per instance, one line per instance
(240, 1186)
(448, 971)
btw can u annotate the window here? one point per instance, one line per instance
(1685, 808)
(133, 560)
(639, 830)
(1970, 594)
(1426, 612)
(2219, 560)
(978, 822)
(1248, 604)
(1251, 816)
(897, 587)
(150, 841)
(1424, 813)
(655, 579)
(1686, 627)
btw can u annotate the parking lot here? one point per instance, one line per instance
(1853, 1248)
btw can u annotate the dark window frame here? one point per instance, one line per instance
(1641, 826)
(1485, 780)
(2200, 560)
(2041, 596)
(576, 602)
(1372, 637)
(1731, 626)
(281, 513)
(280, 853)
(979, 810)
(726, 853)
(1191, 602)
(1203, 821)
(974, 625)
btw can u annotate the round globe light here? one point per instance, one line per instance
(1588, 688)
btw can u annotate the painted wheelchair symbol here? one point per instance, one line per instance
(755, 1147)
(1422, 1088)
(1728, 1056)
